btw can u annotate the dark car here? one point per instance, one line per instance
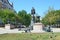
(48, 29)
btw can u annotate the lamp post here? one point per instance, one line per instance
(8, 21)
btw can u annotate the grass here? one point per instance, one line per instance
(31, 36)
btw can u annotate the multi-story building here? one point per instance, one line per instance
(4, 4)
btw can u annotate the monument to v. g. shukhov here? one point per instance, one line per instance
(36, 27)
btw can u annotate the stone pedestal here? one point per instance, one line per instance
(7, 26)
(37, 28)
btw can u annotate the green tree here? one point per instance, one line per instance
(26, 18)
(51, 17)
(21, 17)
(7, 14)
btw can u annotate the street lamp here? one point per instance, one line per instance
(8, 21)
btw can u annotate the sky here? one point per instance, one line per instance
(41, 6)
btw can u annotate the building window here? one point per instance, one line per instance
(2, 0)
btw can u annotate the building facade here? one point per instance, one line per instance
(4, 4)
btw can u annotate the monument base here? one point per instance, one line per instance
(7, 26)
(37, 28)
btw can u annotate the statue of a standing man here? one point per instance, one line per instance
(33, 13)
(33, 18)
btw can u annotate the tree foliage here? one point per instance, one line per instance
(7, 14)
(51, 17)
(26, 18)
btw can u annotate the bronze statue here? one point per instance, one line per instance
(33, 11)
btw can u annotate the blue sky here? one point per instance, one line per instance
(40, 6)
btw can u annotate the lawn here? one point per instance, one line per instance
(30, 36)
